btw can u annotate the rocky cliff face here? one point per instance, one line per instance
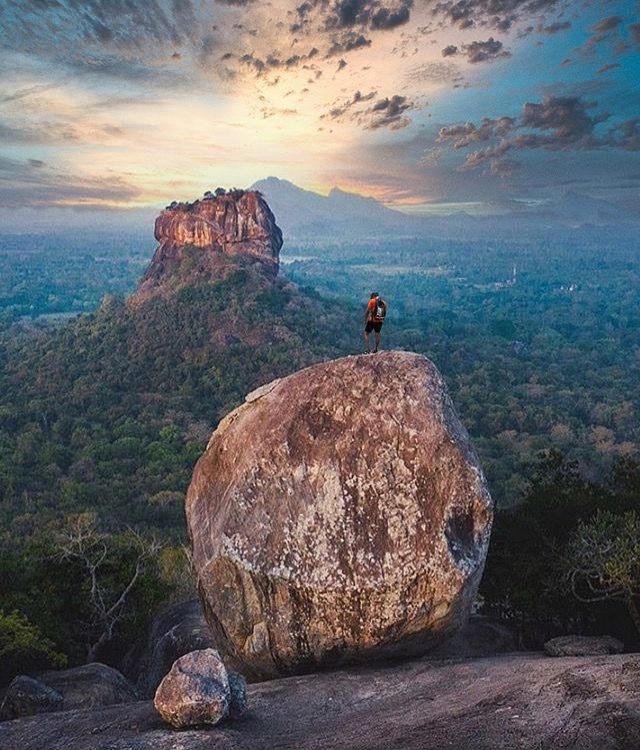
(203, 239)
(340, 513)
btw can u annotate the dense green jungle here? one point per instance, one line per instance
(104, 409)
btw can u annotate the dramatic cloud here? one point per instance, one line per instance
(138, 99)
(566, 116)
(388, 112)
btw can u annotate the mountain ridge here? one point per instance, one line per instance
(304, 214)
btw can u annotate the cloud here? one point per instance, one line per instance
(338, 112)
(496, 14)
(558, 123)
(352, 14)
(477, 52)
(607, 31)
(565, 116)
(130, 24)
(626, 135)
(464, 134)
(272, 61)
(32, 184)
(389, 113)
(486, 51)
(607, 24)
(435, 72)
(553, 28)
(347, 42)
(369, 14)
(609, 66)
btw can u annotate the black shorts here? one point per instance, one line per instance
(373, 325)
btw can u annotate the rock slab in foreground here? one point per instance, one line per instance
(513, 702)
(195, 691)
(340, 513)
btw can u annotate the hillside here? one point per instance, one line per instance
(84, 405)
(102, 419)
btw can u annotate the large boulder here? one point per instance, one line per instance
(339, 513)
(195, 692)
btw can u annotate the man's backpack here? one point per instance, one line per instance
(381, 309)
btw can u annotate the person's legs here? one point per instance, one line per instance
(366, 340)
(378, 330)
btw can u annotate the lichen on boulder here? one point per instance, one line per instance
(339, 514)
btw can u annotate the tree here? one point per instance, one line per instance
(109, 591)
(23, 647)
(602, 561)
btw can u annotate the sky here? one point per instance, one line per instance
(116, 106)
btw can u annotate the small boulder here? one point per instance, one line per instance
(237, 695)
(195, 692)
(583, 645)
(26, 697)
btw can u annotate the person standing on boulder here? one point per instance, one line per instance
(374, 318)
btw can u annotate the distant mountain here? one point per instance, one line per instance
(305, 215)
(577, 209)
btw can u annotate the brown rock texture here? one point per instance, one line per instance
(203, 239)
(195, 691)
(338, 514)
